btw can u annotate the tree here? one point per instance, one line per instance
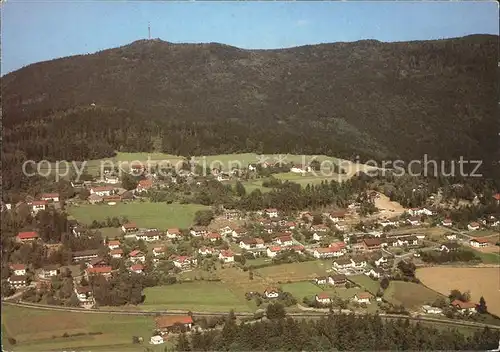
(240, 189)
(84, 194)
(203, 217)
(129, 182)
(275, 311)
(384, 283)
(482, 308)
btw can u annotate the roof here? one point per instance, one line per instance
(462, 304)
(102, 188)
(39, 202)
(213, 235)
(414, 218)
(50, 195)
(174, 231)
(227, 254)
(447, 221)
(145, 183)
(83, 289)
(497, 196)
(339, 277)
(370, 242)
(136, 267)
(99, 270)
(18, 266)
(17, 278)
(168, 321)
(50, 267)
(364, 295)
(27, 235)
(342, 261)
(323, 295)
(135, 253)
(480, 240)
(95, 197)
(85, 252)
(114, 243)
(158, 249)
(130, 225)
(274, 248)
(451, 245)
(271, 289)
(116, 251)
(181, 258)
(338, 214)
(271, 210)
(151, 233)
(474, 224)
(285, 238)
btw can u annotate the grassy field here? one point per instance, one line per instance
(302, 289)
(479, 281)
(409, 294)
(366, 282)
(38, 330)
(194, 296)
(294, 271)
(145, 214)
(488, 258)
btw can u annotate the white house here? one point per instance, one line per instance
(420, 211)
(447, 222)
(285, 240)
(18, 269)
(116, 253)
(83, 293)
(413, 221)
(252, 243)
(272, 212)
(321, 280)
(317, 237)
(273, 251)
(38, 205)
(49, 271)
(323, 298)
(173, 233)
(53, 197)
(137, 256)
(271, 293)
(156, 340)
(343, 264)
(297, 170)
(104, 191)
(137, 268)
(381, 260)
(385, 223)
(358, 262)
(198, 231)
(375, 273)
(431, 310)
(148, 236)
(184, 262)
(17, 281)
(158, 251)
(363, 297)
(328, 252)
(206, 251)
(451, 236)
(226, 256)
(337, 216)
(479, 242)
(112, 180)
(473, 226)
(113, 244)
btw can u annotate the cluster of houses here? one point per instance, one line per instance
(460, 306)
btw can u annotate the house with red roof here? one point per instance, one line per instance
(362, 297)
(27, 236)
(337, 216)
(130, 227)
(173, 323)
(328, 252)
(447, 223)
(52, 197)
(116, 253)
(207, 251)
(158, 251)
(284, 240)
(144, 185)
(18, 269)
(184, 261)
(371, 244)
(137, 256)
(464, 307)
(273, 251)
(149, 236)
(271, 292)
(174, 233)
(479, 242)
(213, 236)
(226, 256)
(99, 270)
(323, 298)
(271, 212)
(497, 197)
(252, 243)
(38, 205)
(473, 226)
(137, 268)
(113, 244)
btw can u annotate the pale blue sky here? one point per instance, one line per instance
(38, 31)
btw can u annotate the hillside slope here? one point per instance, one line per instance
(364, 98)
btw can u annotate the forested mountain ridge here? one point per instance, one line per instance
(367, 98)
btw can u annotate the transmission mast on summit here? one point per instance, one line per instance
(149, 30)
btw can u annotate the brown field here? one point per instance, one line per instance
(479, 281)
(388, 207)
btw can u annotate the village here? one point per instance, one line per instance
(356, 253)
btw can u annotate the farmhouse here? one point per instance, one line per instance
(449, 247)
(83, 293)
(129, 227)
(17, 281)
(272, 212)
(173, 233)
(53, 197)
(371, 244)
(97, 262)
(343, 264)
(85, 255)
(183, 262)
(337, 280)
(273, 251)
(376, 273)
(137, 256)
(328, 252)
(285, 240)
(137, 268)
(113, 244)
(252, 243)
(158, 251)
(464, 307)
(479, 242)
(473, 226)
(112, 180)
(413, 221)
(337, 216)
(95, 198)
(431, 310)
(18, 269)
(363, 297)
(407, 241)
(27, 236)
(144, 185)
(112, 199)
(213, 236)
(49, 271)
(149, 236)
(199, 231)
(419, 211)
(226, 256)
(358, 262)
(104, 191)
(447, 222)
(321, 280)
(38, 205)
(451, 236)
(100, 270)
(323, 298)
(385, 223)
(271, 292)
(169, 323)
(116, 253)
(317, 237)
(206, 251)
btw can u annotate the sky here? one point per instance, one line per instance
(34, 31)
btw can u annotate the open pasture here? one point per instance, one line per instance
(144, 214)
(294, 271)
(479, 281)
(409, 294)
(39, 330)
